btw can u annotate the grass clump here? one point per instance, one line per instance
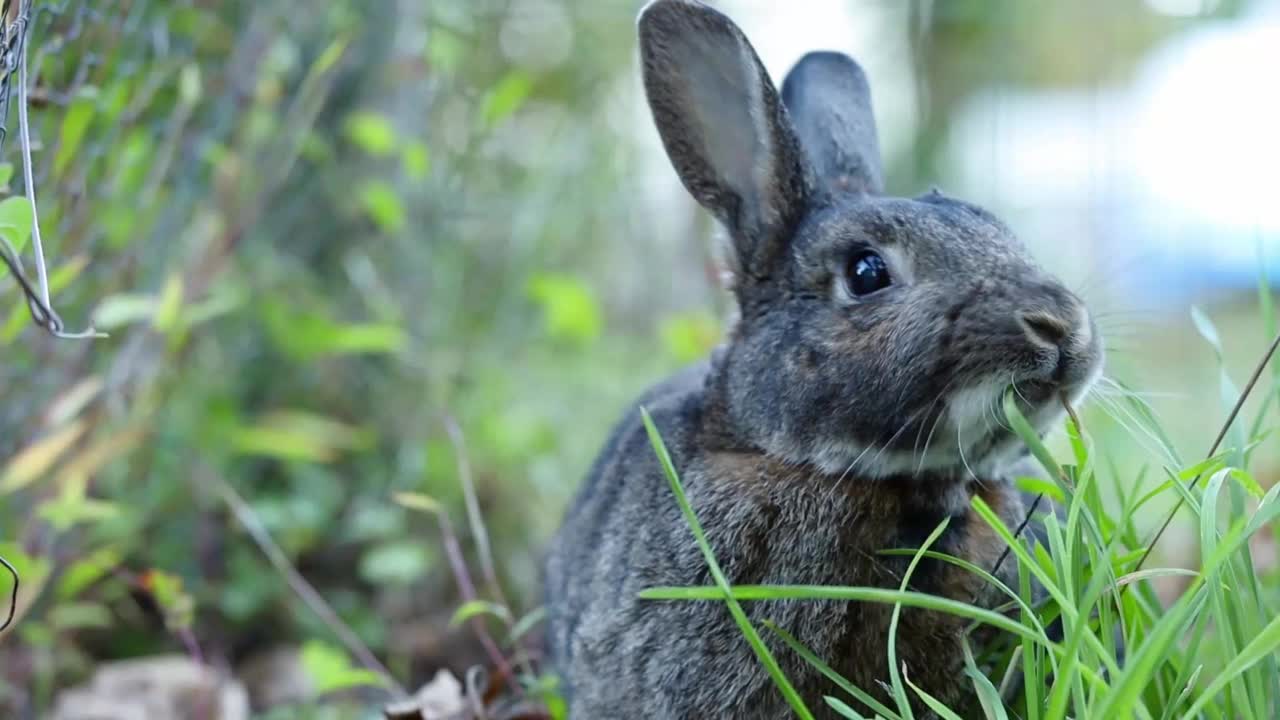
(1209, 652)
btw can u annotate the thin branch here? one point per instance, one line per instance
(481, 534)
(1222, 434)
(303, 589)
(467, 589)
(472, 501)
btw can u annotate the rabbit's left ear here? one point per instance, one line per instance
(724, 127)
(829, 101)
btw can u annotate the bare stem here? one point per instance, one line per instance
(303, 589)
(1222, 434)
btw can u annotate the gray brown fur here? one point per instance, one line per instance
(828, 427)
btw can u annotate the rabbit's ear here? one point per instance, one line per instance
(827, 95)
(724, 127)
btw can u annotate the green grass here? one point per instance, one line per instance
(1210, 653)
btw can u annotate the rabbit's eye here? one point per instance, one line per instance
(868, 273)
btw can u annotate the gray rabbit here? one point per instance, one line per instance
(854, 405)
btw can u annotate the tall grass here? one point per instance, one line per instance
(1209, 653)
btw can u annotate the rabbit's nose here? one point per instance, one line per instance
(1045, 330)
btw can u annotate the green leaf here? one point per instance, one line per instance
(33, 570)
(86, 571)
(381, 203)
(15, 221)
(416, 160)
(570, 311)
(1041, 486)
(6, 174)
(308, 335)
(72, 506)
(372, 132)
(476, 608)
(66, 617)
(117, 311)
(169, 306)
(445, 50)
(400, 562)
(75, 122)
(506, 97)
(297, 435)
(530, 620)
(331, 671)
(189, 85)
(331, 55)
(689, 336)
(1248, 482)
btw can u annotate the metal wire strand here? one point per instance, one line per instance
(15, 22)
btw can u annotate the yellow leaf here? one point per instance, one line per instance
(91, 461)
(34, 460)
(71, 401)
(416, 501)
(169, 305)
(297, 435)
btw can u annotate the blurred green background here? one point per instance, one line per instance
(357, 248)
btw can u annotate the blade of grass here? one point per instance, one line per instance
(856, 692)
(1222, 433)
(933, 703)
(895, 677)
(1258, 649)
(908, 598)
(845, 711)
(988, 696)
(739, 616)
(1218, 600)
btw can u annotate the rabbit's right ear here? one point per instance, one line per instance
(723, 126)
(827, 95)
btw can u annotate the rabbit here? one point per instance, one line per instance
(855, 404)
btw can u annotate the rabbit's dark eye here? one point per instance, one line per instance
(868, 273)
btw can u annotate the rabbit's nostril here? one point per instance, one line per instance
(1045, 329)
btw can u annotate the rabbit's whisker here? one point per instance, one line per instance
(963, 461)
(925, 453)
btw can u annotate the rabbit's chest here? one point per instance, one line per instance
(818, 530)
(836, 535)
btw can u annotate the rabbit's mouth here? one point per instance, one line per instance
(1033, 392)
(981, 435)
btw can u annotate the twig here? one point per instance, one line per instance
(478, 530)
(474, 518)
(304, 590)
(468, 591)
(1222, 434)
